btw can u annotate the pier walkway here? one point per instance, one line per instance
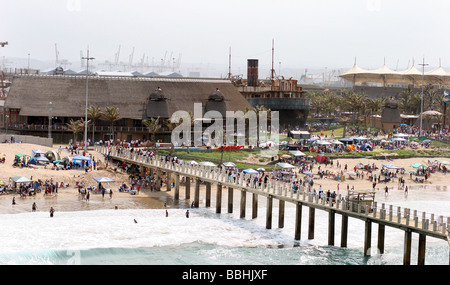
(405, 219)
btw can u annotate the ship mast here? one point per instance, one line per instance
(272, 70)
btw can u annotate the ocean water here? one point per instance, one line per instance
(109, 236)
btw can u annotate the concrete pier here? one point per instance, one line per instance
(406, 220)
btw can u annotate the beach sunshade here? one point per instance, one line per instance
(285, 165)
(229, 164)
(42, 159)
(207, 163)
(80, 157)
(250, 171)
(103, 179)
(21, 179)
(260, 169)
(2, 183)
(193, 162)
(37, 151)
(286, 156)
(21, 154)
(2, 154)
(297, 153)
(417, 165)
(308, 173)
(351, 173)
(391, 166)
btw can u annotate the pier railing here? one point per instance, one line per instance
(437, 226)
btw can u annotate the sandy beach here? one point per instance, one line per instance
(68, 198)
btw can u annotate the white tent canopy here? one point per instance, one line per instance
(297, 153)
(103, 179)
(384, 75)
(285, 165)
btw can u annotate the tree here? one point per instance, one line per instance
(406, 96)
(94, 113)
(152, 126)
(76, 127)
(111, 115)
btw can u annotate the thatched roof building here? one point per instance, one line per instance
(133, 96)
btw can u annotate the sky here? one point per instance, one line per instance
(312, 34)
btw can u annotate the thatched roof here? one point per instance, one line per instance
(32, 94)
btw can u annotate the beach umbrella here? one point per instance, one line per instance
(2, 154)
(260, 169)
(193, 162)
(1, 182)
(351, 173)
(250, 171)
(286, 156)
(307, 173)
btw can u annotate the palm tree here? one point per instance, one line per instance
(111, 114)
(355, 102)
(76, 127)
(429, 97)
(405, 98)
(94, 113)
(152, 126)
(170, 126)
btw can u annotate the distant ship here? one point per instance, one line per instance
(276, 94)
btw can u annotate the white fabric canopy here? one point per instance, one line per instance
(384, 75)
(103, 179)
(285, 165)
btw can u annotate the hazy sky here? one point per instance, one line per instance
(307, 34)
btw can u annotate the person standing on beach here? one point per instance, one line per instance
(51, 212)
(187, 214)
(386, 191)
(14, 200)
(33, 207)
(87, 196)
